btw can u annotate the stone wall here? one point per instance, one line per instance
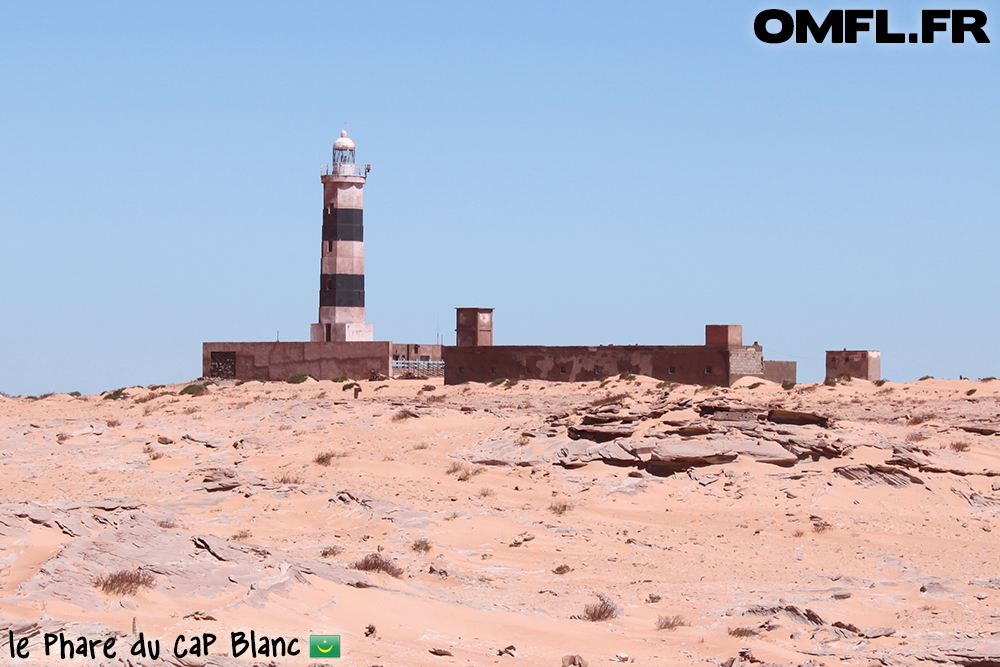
(687, 364)
(781, 371)
(863, 364)
(280, 361)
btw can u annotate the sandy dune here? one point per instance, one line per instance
(867, 541)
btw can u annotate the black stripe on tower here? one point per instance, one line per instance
(342, 224)
(341, 289)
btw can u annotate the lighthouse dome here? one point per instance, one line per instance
(343, 143)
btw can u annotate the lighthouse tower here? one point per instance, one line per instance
(342, 267)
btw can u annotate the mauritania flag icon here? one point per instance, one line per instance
(324, 646)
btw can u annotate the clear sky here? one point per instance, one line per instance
(596, 172)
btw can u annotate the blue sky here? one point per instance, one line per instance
(596, 172)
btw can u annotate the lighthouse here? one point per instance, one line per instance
(342, 263)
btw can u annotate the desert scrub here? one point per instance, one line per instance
(486, 492)
(378, 563)
(299, 378)
(329, 552)
(754, 385)
(742, 632)
(469, 473)
(326, 458)
(125, 582)
(959, 446)
(428, 387)
(115, 395)
(562, 569)
(653, 598)
(241, 535)
(926, 377)
(421, 546)
(74, 394)
(560, 507)
(670, 622)
(788, 386)
(194, 389)
(404, 414)
(497, 382)
(970, 392)
(602, 610)
(290, 479)
(510, 383)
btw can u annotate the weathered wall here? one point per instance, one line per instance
(688, 364)
(324, 361)
(723, 335)
(781, 371)
(862, 364)
(745, 361)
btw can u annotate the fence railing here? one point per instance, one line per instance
(431, 369)
(344, 169)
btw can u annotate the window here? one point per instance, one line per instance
(328, 334)
(708, 370)
(672, 370)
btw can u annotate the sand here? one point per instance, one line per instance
(872, 540)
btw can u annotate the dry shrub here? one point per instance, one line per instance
(421, 546)
(330, 551)
(560, 507)
(602, 610)
(798, 533)
(290, 479)
(562, 569)
(915, 437)
(959, 446)
(653, 598)
(428, 387)
(435, 399)
(607, 400)
(404, 414)
(125, 582)
(486, 492)
(150, 396)
(241, 535)
(469, 473)
(378, 563)
(455, 467)
(156, 456)
(743, 632)
(916, 420)
(111, 423)
(166, 523)
(821, 527)
(670, 622)
(325, 458)
(421, 445)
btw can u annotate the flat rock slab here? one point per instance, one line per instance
(678, 453)
(797, 418)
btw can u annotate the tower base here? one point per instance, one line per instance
(357, 332)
